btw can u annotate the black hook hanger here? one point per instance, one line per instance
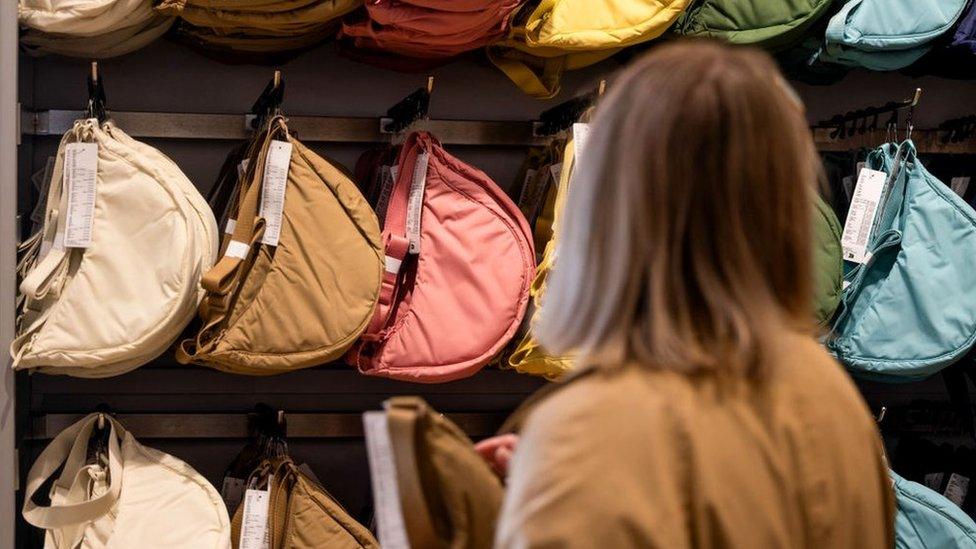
(957, 130)
(564, 115)
(268, 104)
(96, 95)
(408, 110)
(856, 122)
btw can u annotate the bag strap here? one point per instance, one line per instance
(69, 448)
(395, 239)
(403, 414)
(281, 490)
(219, 278)
(515, 66)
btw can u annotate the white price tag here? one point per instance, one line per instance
(415, 204)
(80, 171)
(959, 185)
(860, 216)
(254, 527)
(242, 167)
(231, 225)
(933, 481)
(232, 492)
(581, 133)
(556, 170)
(391, 527)
(956, 489)
(273, 190)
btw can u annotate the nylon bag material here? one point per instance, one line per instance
(887, 35)
(449, 497)
(301, 513)
(828, 261)
(431, 29)
(305, 301)
(925, 518)
(768, 23)
(909, 311)
(83, 17)
(111, 307)
(552, 36)
(129, 496)
(448, 309)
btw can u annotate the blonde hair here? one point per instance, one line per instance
(687, 230)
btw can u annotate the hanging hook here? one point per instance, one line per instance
(101, 420)
(881, 415)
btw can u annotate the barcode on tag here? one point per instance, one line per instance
(415, 204)
(387, 180)
(254, 526)
(860, 217)
(956, 489)
(581, 133)
(80, 171)
(959, 185)
(273, 190)
(232, 492)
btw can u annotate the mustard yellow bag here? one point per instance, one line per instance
(271, 308)
(549, 37)
(529, 357)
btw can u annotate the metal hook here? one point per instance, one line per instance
(101, 421)
(881, 415)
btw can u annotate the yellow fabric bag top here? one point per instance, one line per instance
(552, 36)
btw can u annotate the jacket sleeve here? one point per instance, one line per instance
(568, 486)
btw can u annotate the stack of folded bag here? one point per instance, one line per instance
(256, 31)
(93, 29)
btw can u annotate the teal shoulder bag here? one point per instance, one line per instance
(886, 35)
(926, 519)
(910, 309)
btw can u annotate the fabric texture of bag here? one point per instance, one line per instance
(275, 31)
(428, 29)
(955, 56)
(828, 261)
(925, 518)
(885, 35)
(127, 496)
(301, 514)
(271, 309)
(110, 44)
(909, 311)
(549, 37)
(448, 496)
(111, 307)
(459, 262)
(93, 29)
(772, 24)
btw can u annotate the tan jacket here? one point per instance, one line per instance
(633, 457)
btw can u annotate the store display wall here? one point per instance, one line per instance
(165, 77)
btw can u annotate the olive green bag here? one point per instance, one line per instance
(828, 261)
(773, 24)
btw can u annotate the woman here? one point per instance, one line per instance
(705, 413)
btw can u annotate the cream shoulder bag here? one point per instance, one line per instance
(112, 306)
(125, 496)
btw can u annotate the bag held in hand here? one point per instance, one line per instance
(433, 489)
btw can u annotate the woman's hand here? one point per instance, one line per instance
(497, 451)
